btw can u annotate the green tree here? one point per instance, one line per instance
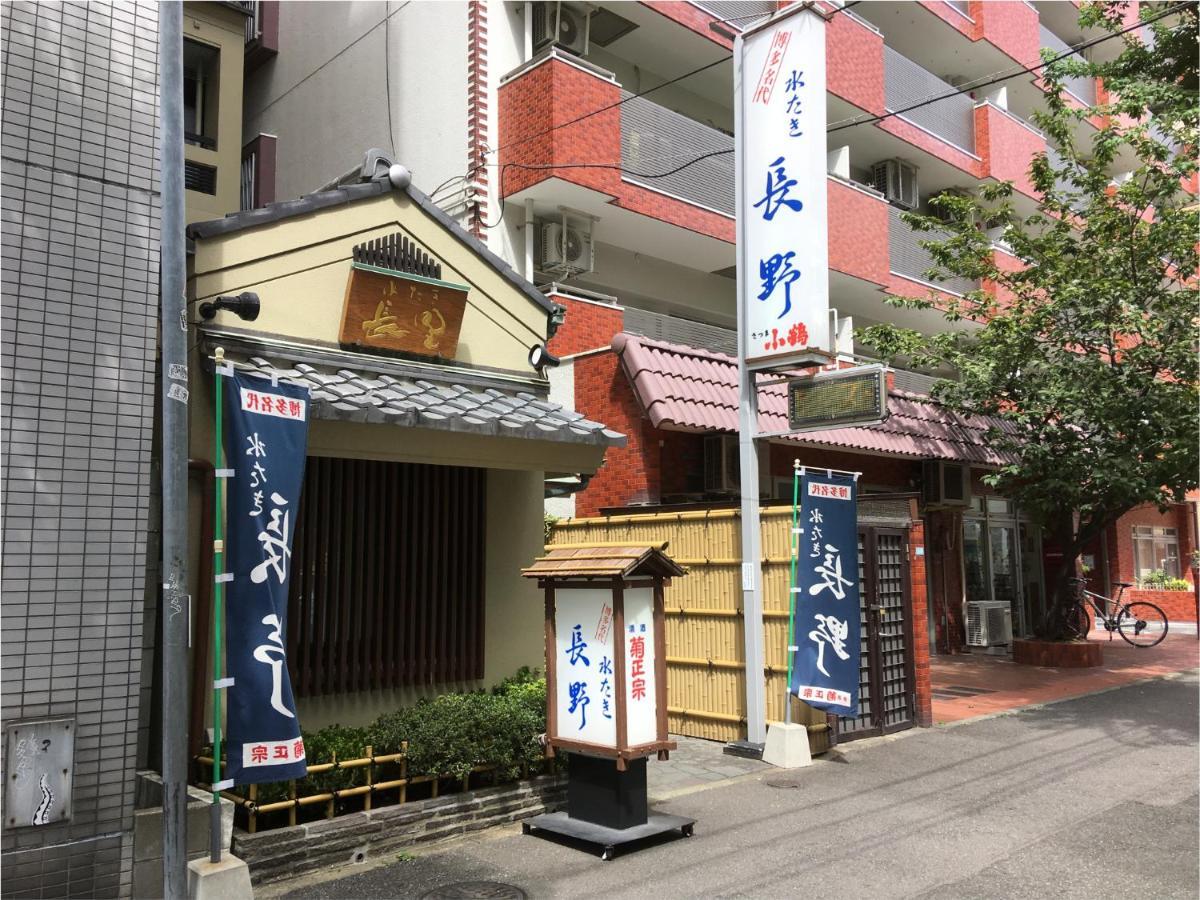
(1086, 356)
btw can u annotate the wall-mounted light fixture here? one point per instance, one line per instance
(541, 358)
(245, 306)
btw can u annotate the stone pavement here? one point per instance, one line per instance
(695, 764)
(972, 685)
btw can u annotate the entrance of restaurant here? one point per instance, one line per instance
(1002, 555)
(886, 681)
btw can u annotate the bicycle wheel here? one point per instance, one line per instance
(1079, 622)
(1142, 624)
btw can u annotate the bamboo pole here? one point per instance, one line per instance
(370, 778)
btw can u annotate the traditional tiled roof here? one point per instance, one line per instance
(685, 389)
(603, 561)
(458, 404)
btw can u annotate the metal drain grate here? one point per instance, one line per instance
(476, 890)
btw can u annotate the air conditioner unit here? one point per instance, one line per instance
(564, 249)
(945, 483)
(722, 465)
(561, 25)
(989, 623)
(944, 214)
(897, 181)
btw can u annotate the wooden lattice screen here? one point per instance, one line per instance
(387, 579)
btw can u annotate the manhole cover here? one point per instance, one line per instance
(476, 890)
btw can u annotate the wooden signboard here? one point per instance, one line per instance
(387, 310)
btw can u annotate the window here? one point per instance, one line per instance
(1155, 549)
(201, 87)
(387, 580)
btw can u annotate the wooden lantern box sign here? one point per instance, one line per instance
(606, 663)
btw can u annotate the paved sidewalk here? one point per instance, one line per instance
(696, 763)
(965, 687)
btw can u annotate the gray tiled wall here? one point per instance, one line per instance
(80, 207)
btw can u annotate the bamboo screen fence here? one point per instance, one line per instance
(706, 677)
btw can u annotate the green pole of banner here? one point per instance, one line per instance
(218, 607)
(791, 632)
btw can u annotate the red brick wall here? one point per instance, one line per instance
(1120, 539)
(1007, 148)
(629, 473)
(920, 623)
(854, 64)
(550, 95)
(690, 17)
(1179, 606)
(1010, 26)
(858, 233)
(587, 326)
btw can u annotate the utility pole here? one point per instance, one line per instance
(175, 611)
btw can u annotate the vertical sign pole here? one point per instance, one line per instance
(175, 611)
(218, 606)
(752, 618)
(791, 632)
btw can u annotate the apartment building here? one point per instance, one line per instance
(80, 322)
(565, 136)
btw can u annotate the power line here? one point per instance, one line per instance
(990, 80)
(471, 172)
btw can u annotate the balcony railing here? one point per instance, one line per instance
(741, 13)
(910, 259)
(675, 330)
(655, 140)
(1081, 88)
(906, 83)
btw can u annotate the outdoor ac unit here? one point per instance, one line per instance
(564, 249)
(561, 25)
(944, 214)
(722, 465)
(989, 623)
(945, 483)
(897, 181)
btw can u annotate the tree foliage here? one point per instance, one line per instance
(1086, 354)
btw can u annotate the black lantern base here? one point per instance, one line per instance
(607, 806)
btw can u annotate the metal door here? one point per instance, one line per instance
(886, 684)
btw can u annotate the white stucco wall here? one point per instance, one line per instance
(343, 59)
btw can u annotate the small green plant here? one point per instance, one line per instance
(548, 523)
(405, 857)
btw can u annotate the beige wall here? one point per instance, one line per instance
(299, 268)
(218, 26)
(513, 608)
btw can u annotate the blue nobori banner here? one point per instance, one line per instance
(825, 669)
(265, 445)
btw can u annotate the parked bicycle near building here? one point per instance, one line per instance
(1140, 623)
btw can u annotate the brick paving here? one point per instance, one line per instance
(973, 685)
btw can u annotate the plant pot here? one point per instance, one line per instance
(1058, 654)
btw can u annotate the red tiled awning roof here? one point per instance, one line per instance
(685, 389)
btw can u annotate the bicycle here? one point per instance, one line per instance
(1141, 624)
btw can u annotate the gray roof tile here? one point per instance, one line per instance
(360, 395)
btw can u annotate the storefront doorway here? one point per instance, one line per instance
(1002, 560)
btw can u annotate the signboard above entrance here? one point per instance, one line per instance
(783, 276)
(387, 310)
(850, 397)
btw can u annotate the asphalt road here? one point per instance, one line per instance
(1092, 798)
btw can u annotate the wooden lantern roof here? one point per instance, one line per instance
(604, 561)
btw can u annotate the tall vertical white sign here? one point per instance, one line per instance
(784, 279)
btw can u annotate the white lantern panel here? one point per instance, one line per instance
(585, 684)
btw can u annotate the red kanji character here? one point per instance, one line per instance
(281, 405)
(281, 751)
(797, 334)
(298, 749)
(637, 647)
(251, 400)
(294, 408)
(258, 753)
(638, 667)
(639, 689)
(807, 694)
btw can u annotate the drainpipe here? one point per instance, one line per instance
(530, 237)
(174, 397)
